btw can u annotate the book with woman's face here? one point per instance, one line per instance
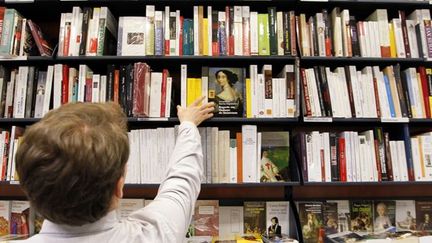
(226, 87)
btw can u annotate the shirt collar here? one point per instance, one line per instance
(105, 223)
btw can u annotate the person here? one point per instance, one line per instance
(71, 166)
(426, 224)
(270, 172)
(310, 229)
(229, 95)
(408, 222)
(382, 221)
(275, 228)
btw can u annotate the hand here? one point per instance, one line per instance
(196, 113)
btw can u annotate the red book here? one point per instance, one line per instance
(165, 75)
(65, 85)
(4, 160)
(66, 42)
(42, 44)
(323, 175)
(139, 90)
(116, 85)
(342, 160)
(88, 87)
(425, 88)
(239, 157)
(147, 79)
(2, 11)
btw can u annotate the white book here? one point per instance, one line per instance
(48, 88)
(223, 162)
(320, 25)
(183, 84)
(395, 161)
(93, 33)
(58, 79)
(2, 150)
(356, 160)
(20, 92)
(426, 147)
(344, 92)
(24, 36)
(155, 94)
(166, 25)
(254, 33)
(362, 38)
(277, 217)
(279, 33)
(345, 34)
(335, 104)
(418, 17)
(249, 140)
(178, 28)
(132, 36)
(230, 220)
(400, 47)
(405, 215)
(128, 206)
(196, 31)
(253, 72)
(283, 101)
(83, 69)
(238, 31)
(173, 34)
(415, 153)
(258, 156)
(260, 96)
(168, 97)
(150, 30)
(368, 39)
(233, 161)
(327, 160)
(75, 33)
(412, 38)
(403, 167)
(103, 87)
(276, 99)
(209, 30)
(380, 16)
(337, 37)
(96, 88)
(313, 92)
(61, 34)
(40, 93)
(364, 175)
(415, 99)
(356, 90)
(215, 155)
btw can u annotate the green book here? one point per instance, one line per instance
(263, 35)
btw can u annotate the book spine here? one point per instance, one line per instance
(388, 157)
(272, 30)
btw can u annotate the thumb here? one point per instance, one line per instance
(178, 107)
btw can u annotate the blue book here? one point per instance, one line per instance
(389, 96)
(188, 37)
(159, 35)
(407, 142)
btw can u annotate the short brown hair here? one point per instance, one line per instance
(69, 162)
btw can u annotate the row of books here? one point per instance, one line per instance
(352, 221)
(368, 156)
(20, 36)
(352, 156)
(371, 92)
(31, 92)
(18, 219)
(249, 157)
(260, 95)
(339, 34)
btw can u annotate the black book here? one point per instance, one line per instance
(320, 94)
(404, 82)
(325, 91)
(400, 90)
(129, 89)
(272, 30)
(355, 43)
(286, 33)
(110, 82)
(123, 88)
(87, 15)
(334, 154)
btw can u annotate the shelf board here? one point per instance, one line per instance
(174, 58)
(363, 60)
(420, 120)
(373, 190)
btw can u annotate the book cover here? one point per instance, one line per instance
(20, 218)
(330, 217)
(226, 89)
(423, 215)
(384, 215)
(405, 215)
(45, 48)
(127, 206)
(206, 218)
(230, 221)
(254, 218)
(274, 157)
(311, 220)
(5, 212)
(361, 216)
(277, 214)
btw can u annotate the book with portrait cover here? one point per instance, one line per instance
(206, 218)
(274, 157)
(311, 220)
(405, 215)
(226, 87)
(277, 217)
(361, 216)
(254, 218)
(384, 216)
(424, 214)
(5, 211)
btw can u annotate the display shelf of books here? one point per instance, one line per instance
(184, 58)
(315, 60)
(420, 3)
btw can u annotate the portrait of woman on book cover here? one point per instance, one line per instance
(226, 90)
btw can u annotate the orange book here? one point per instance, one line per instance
(239, 158)
(116, 85)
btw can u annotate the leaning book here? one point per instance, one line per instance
(274, 157)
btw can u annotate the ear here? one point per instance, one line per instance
(119, 187)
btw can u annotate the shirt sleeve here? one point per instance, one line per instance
(178, 192)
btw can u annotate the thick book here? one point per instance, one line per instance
(274, 157)
(226, 89)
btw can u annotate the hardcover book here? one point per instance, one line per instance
(226, 89)
(274, 157)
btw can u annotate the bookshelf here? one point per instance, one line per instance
(298, 189)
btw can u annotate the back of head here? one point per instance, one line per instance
(70, 161)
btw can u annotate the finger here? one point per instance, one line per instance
(206, 105)
(208, 110)
(197, 101)
(178, 107)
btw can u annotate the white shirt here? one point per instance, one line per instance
(166, 219)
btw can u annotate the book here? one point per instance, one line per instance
(127, 206)
(226, 89)
(330, 217)
(44, 47)
(254, 218)
(20, 218)
(384, 215)
(361, 216)
(5, 213)
(310, 220)
(405, 215)
(277, 214)
(230, 220)
(423, 215)
(206, 218)
(274, 157)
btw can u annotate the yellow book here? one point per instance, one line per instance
(190, 93)
(205, 37)
(197, 88)
(256, 238)
(429, 72)
(422, 163)
(248, 99)
(392, 41)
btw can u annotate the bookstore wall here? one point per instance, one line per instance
(322, 130)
